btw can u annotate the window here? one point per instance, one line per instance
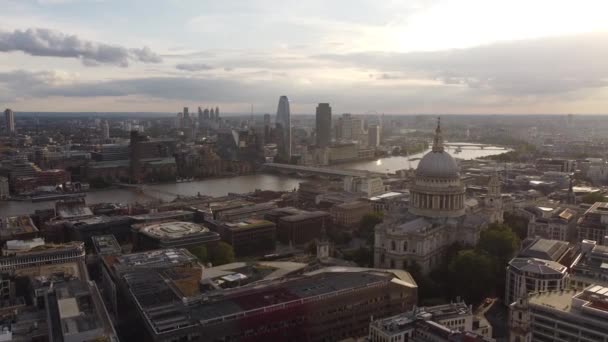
(405, 246)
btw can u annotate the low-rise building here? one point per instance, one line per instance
(172, 234)
(17, 254)
(249, 237)
(527, 275)
(447, 322)
(561, 316)
(17, 228)
(593, 225)
(559, 225)
(76, 312)
(592, 266)
(266, 301)
(390, 201)
(4, 188)
(349, 214)
(302, 228)
(245, 211)
(106, 245)
(84, 229)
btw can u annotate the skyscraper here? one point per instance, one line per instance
(105, 128)
(283, 125)
(180, 120)
(217, 113)
(374, 135)
(9, 118)
(266, 127)
(200, 117)
(323, 123)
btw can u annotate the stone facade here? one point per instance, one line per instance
(436, 218)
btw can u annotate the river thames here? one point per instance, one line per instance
(240, 184)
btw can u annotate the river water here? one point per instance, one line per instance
(241, 184)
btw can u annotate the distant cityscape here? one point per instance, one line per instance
(201, 226)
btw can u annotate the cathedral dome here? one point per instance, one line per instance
(437, 164)
(437, 190)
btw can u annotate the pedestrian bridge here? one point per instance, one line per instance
(320, 171)
(468, 146)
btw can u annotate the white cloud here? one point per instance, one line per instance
(45, 42)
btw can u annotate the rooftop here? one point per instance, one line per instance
(304, 216)
(12, 227)
(106, 245)
(171, 229)
(80, 309)
(156, 258)
(599, 208)
(37, 245)
(162, 215)
(353, 205)
(166, 311)
(538, 266)
(248, 224)
(387, 195)
(545, 249)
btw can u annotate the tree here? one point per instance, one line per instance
(311, 248)
(367, 224)
(364, 257)
(200, 252)
(593, 197)
(220, 254)
(499, 241)
(471, 275)
(518, 224)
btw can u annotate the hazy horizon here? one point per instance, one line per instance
(416, 57)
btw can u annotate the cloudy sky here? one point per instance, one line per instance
(389, 56)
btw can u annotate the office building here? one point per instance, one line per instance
(302, 227)
(17, 228)
(76, 312)
(19, 254)
(106, 245)
(9, 121)
(83, 229)
(283, 127)
(265, 301)
(533, 275)
(561, 316)
(4, 188)
(349, 214)
(249, 237)
(441, 323)
(105, 130)
(323, 125)
(172, 234)
(248, 211)
(593, 225)
(592, 266)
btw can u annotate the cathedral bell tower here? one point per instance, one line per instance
(493, 200)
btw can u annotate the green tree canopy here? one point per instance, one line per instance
(593, 197)
(472, 275)
(367, 224)
(200, 252)
(220, 254)
(499, 241)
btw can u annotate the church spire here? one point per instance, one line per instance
(438, 140)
